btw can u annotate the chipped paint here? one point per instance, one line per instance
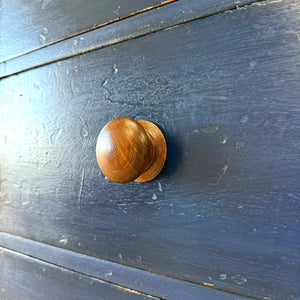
(172, 27)
(121, 18)
(63, 240)
(134, 292)
(208, 284)
(209, 128)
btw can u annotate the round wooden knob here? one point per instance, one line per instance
(129, 150)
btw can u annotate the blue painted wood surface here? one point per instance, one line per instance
(225, 210)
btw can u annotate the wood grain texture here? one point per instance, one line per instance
(129, 150)
(23, 277)
(32, 25)
(225, 211)
(138, 25)
(120, 275)
(160, 152)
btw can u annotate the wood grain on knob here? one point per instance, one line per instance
(129, 150)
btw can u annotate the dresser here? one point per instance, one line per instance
(221, 79)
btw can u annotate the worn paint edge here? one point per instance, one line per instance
(127, 277)
(36, 260)
(151, 21)
(90, 29)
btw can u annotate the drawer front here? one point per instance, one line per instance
(27, 278)
(30, 25)
(225, 210)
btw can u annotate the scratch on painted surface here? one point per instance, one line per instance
(135, 292)
(81, 187)
(126, 289)
(159, 187)
(223, 171)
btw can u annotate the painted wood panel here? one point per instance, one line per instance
(137, 25)
(225, 210)
(132, 279)
(23, 277)
(29, 25)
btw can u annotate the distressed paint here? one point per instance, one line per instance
(246, 224)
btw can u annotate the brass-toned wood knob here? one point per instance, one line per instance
(129, 150)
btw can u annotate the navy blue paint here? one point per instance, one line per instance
(23, 277)
(238, 71)
(141, 281)
(51, 21)
(138, 25)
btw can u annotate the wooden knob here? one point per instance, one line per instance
(129, 150)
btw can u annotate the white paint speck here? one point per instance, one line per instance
(75, 42)
(223, 276)
(154, 197)
(115, 69)
(223, 138)
(45, 30)
(120, 256)
(252, 64)
(26, 202)
(107, 273)
(209, 277)
(63, 240)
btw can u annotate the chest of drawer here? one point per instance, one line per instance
(224, 91)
